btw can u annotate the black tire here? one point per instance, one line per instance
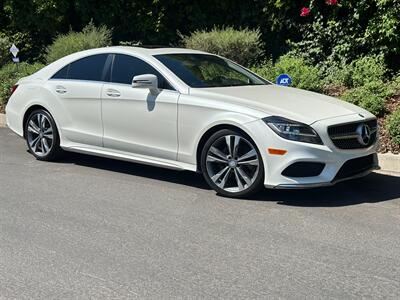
(54, 151)
(257, 183)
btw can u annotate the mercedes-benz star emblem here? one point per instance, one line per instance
(363, 134)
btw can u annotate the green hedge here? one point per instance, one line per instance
(266, 70)
(357, 73)
(371, 96)
(393, 126)
(347, 30)
(90, 37)
(242, 46)
(304, 75)
(9, 76)
(5, 45)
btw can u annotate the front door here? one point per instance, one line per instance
(134, 120)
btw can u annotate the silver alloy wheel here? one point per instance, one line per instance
(232, 163)
(40, 134)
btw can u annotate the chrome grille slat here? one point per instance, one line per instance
(344, 136)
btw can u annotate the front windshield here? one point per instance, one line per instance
(205, 70)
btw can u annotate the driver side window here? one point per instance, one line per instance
(125, 67)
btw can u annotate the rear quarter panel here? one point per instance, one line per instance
(28, 94)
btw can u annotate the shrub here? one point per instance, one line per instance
(370, 96)
(348, 30)
(304, 76)
(90, 37)
(339, 74)
(131, 43)
(242, 46)
(396, 83)
(5, 45)
(393, 126)
(367, 69)
(266, 70)
(9, 76)
(358, 73)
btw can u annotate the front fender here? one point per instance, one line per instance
(192, 127)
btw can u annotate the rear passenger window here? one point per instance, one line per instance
(125, 67)
(88, 68)
(62, 74)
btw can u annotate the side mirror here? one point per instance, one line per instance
(146, 81)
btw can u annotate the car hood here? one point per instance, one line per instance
(296, 104)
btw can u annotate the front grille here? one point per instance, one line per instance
(355, 166)
(345, 136)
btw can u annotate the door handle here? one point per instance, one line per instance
(60, 89)
(113, 93)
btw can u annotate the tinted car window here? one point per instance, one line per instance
(88, 68)
(205, 70)
(125, 67)
(62, 74)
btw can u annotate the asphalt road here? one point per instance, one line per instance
(97, 228)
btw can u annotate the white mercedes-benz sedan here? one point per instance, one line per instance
(191, 110)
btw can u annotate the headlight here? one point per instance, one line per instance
(292, 130)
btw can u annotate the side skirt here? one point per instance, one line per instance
(125, 156)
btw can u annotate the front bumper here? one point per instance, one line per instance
(325, 184)
(333, 158)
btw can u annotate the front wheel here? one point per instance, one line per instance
(42, 136)
(232, 164)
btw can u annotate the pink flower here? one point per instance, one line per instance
(331, 2)
(305, 11)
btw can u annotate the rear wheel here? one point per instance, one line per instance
(232, 164)
(42, 136)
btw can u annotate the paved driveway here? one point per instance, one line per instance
(93, 227)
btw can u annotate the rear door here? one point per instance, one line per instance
(78, 86)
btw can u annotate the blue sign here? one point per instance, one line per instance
(15, 59)
(284, 79)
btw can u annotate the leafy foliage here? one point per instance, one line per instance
(304, 76)
(23, 42)
(9, 75)
(351, 30)
(4, 49)
(366, 70)
(370, 96)
(242, 46)
(90, 37)
(328, 35)
(266, 70)
(393, 126)
(357, 73)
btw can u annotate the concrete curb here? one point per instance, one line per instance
(3, 122)
(389, 163)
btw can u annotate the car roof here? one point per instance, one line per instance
(147, 54)
(153, 50)
(142, 52)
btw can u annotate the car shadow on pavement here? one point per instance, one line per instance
(376, 187)
(179, 177)
(373, 188)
